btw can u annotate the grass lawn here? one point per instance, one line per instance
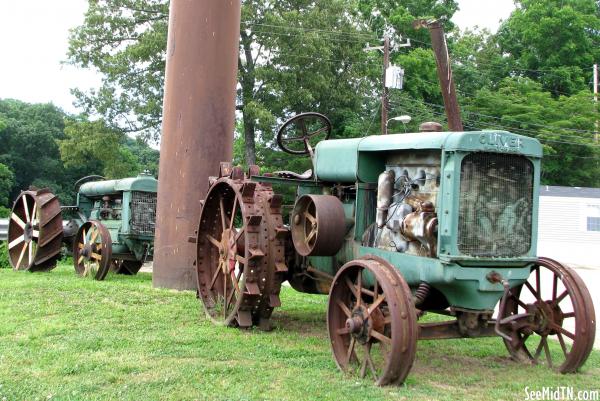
(65, 338)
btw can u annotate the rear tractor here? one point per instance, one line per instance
(110, 228)
(392, 228)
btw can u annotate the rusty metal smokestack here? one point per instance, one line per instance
(440, 48)
(198, 125)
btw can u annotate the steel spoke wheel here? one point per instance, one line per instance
(241, 261)
(35, 231)
(92, 251)
(559, 327)
(372, 322)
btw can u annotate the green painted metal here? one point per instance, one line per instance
(349, 160)
(461, 279)
(125, 244)
(143, 183)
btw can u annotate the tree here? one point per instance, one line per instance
(555, 42)
(94, 144)
(7, 181)
(29, 146)
(295, 55)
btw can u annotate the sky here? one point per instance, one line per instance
(34, 35)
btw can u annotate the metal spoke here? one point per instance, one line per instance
(561, 330)
(241, 259)
(533, 291)
(310, 217)
(363, 366)
(222, 210)
(80, 260)
(381, 337)
(521, 303)
(84, 235)
(350, 350)
(214, 279)
(371, 364)
(94, 235)
(538, 351)
(343, 331)
(561, 340)
(561, 297)
(547, 351)
(26, 207)
(21, 255)
(16, 242)
(213, 241)
(34, 215)
(17, 220)
(310, 236)
(375, 305)
(235, 204)
(568, 315)
(350, 285)
(96, 256)
(344, 308)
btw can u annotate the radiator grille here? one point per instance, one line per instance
(496, 205)
(143, 213)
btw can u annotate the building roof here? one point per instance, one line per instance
(569, 192)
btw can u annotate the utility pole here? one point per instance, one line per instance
(385, 99)
(442, 57)
(596, 134)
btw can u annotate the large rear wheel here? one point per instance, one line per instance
(35, 231)
(241, 261)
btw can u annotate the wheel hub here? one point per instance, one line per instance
(360, 324)
(28, 232)
(86, 252)
(545, 315)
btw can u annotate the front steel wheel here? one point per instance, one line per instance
(558, 307)
(372, 322)
(92, 251)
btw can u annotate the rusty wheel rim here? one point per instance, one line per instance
(92, 251)
(372, 322)
(240, 259)
(35, 231)
(560, 309)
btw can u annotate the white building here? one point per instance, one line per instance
(569, 225)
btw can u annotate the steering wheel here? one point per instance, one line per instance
(83, 180)
(295, 134)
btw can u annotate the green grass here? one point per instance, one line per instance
(66, 338)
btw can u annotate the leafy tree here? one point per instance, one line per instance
(92, 143)
(555, 42)
(295, 56)
(29, 146)
(520, 105)
(7, 181)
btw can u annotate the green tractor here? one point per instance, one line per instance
(392, 228)
(111, 227)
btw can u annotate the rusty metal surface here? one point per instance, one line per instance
(318, 225)
(440, 49)
(35, 231)
(92, 251)
(240, 251)
(198, 125)
(450, 329)
(529, 317)
(372, 327)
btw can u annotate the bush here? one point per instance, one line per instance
(4, 263)
(4, 212)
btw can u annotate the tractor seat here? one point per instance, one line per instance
(307, 175)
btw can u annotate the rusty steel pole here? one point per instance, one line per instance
(442, 57)
(198, 125)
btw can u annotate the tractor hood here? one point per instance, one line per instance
(143, 183)
(349, 160)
